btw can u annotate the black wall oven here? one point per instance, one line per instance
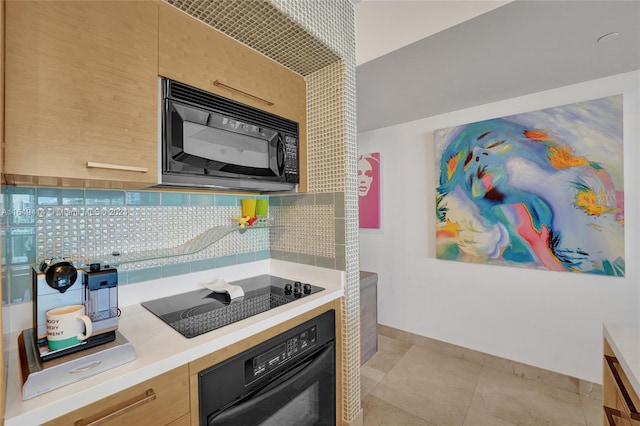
(287, 380)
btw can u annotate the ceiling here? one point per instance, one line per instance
(523, 47)
(419, 19)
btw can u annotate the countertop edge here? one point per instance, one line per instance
(56, 403)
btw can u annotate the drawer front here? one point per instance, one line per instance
(158, 401)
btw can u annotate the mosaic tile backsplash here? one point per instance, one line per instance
(160, 227)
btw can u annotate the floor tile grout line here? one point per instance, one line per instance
(475, 390)
(584, 413)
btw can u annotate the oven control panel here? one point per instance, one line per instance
(281, 354)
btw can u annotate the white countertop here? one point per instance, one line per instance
(159, 348)
(625, 343)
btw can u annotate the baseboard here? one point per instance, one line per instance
(561, 381)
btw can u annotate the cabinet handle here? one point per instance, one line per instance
(611, 414)
(149, 396)
(91, 164)
(233, 89)
(86, 367)
(612, 362)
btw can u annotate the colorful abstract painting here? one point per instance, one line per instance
(369, 190)
(542, 189)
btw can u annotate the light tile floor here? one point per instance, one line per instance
(404, 384)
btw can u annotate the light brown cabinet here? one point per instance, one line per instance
(621, 403)
(81, 93)
(81, 97)
(195, 54)
(163, 400)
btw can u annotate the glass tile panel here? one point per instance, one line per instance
(60, 197)
(144, 275)
(22, 245)
(226, 200)
(246, 257)
(339, 229)
(339, 206)
(202, 199)
(20, 283)
(22, 207)
(326, 262)
(176, 269)
(175, 198)
(140, 198)
(203, 265)
(326, 198)
(5, 286)
(226, 261)
(263, 254)
(104, 198)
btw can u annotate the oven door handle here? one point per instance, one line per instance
(309, 368)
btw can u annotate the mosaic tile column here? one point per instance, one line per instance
(329, 169)
(332, 157)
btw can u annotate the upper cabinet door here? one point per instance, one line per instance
(81, 92)
(195, 54)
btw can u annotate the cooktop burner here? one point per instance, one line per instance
(200, 311)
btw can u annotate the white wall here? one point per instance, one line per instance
(551, 320)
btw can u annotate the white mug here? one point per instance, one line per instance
(65, 326)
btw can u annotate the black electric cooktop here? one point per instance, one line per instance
(200, 311)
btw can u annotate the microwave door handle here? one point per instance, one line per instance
(281, 154)
(277, 154)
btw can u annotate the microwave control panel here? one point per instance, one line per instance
(291, 159)
(279, 355)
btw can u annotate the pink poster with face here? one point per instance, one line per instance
(369, 190)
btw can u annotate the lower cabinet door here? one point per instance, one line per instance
(158, 401)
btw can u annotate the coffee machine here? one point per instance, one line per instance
(57, 282)
(100, 285)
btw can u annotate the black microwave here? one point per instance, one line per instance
(209, 141)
